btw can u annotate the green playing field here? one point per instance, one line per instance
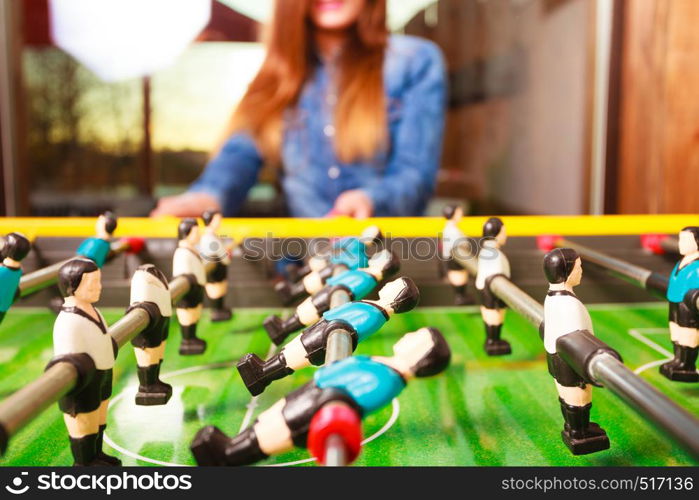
(482, 411)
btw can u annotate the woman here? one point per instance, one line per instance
(355, 117)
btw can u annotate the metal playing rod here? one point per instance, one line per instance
(670, 244)
(41, 278)
(605, 369)
(339, 347)
(654, 282)
(28, 402)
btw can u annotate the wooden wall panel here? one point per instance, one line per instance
(659, 113)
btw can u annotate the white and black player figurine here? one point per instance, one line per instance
(452, 236)
(212, 249)
(492, 262)
(565, 314)
(80, 337)
(188, 263)
(150, 292)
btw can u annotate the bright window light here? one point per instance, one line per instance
(122, 39)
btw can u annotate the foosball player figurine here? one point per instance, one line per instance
(346, 254)
(682, 294)
(212, 248)
(15, 249)
(451, 237)
(361, 319)
(565, 314)
(357, 284)
(150, 292)
(187, 262)
(364, 383)
(80, 337)
(492, 262)
(98, 247)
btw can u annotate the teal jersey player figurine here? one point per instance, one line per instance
(365, 384)
(97, 248)
(682, 295)
(361, 319)
(357, 284)
(15, 249)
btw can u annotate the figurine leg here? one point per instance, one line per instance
(458, 280)
(579, 434)
(101, 455)
(188, 319)
(278, 329)
(151, 390)
(494, 345)
(217, 293)
(682, 368)
(258, 374)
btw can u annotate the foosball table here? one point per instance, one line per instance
(496, 403)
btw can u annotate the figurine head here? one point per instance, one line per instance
(16, 248)
(453, 213)
(689, 240)
(188, 231)
(106, 225)
(422, 353)
(371, 236)
(212, 219)
(494, 229)
(563, 266)
(82, 279)
(152, 276)
(399, 296)
(384, 264)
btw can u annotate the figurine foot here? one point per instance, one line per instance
(675, 371)
(212, 447)
(191, 347)
(220, 315)
(464, 300)
(275, 329)
(106, 460)
(283, 290)
(251, 369)
(497, 347)
(593, 439)
(153, 395)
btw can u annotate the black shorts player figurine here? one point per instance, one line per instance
(357, 284)
(564, 314)
(682, 294)
(98, 247)
(15, 248)
(187, 262)
(80, 337)
(212, 249)
(361, 319)
(451, 237)
(364, 383)
(492, 262)
(345, 254)
(150, 292)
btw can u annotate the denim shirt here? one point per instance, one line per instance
(399, 180)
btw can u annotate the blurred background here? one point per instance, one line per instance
(556, 107)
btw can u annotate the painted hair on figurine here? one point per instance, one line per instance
(209, 215)
(185, 227)
(436, 359)
(492, 227)
(71, 274)
(16, 246)
(391, 266)
(151, 269)
(695, 232)
(449, 211)
(559, 263)
(110, 222)
(408, 298)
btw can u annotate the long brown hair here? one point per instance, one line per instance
(360, 113)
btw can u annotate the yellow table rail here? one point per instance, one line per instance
(166, 227)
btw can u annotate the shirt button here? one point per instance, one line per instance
(333, 172)
(329, 130)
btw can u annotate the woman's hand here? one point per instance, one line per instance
(185, 205)
(355, 203)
